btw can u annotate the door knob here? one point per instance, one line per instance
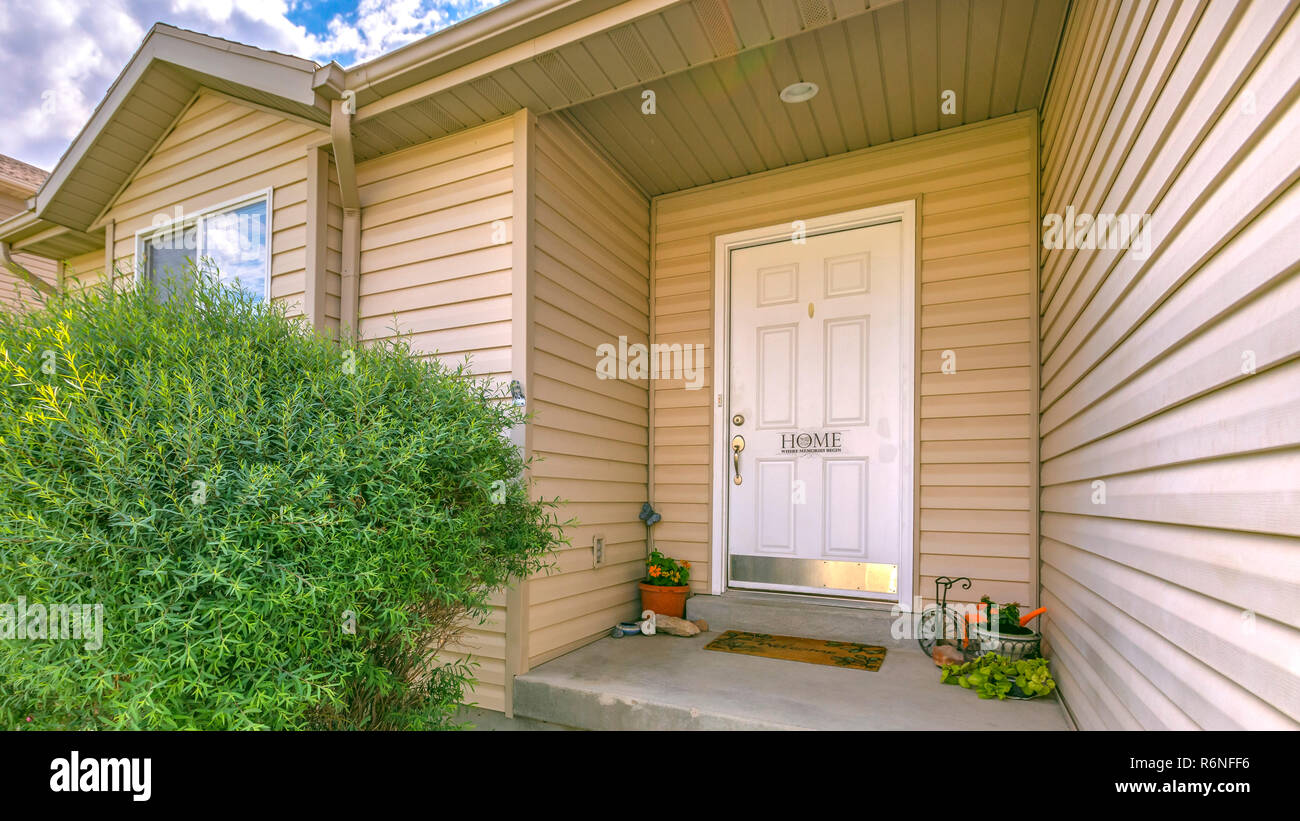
(737, 445)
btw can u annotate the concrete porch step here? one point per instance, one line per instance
(666, 682)
(782, 615)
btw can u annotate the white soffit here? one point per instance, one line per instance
(621, 48)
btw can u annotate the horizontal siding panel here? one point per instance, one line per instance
(591, 261)
(431, 266)
(1209, 631)
(1169, 378)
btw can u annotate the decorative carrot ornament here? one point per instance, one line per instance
(1028, 617)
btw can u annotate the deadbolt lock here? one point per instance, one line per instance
(737, 420)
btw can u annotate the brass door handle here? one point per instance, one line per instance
(737, 445)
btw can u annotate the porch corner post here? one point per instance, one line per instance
(651, 332)
(110, 238)
(521, 368)
(317, 160)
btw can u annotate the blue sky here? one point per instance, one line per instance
(58, 57)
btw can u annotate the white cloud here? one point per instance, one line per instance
(383, 25)
(59, 57)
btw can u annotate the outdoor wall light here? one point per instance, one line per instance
(799, 92)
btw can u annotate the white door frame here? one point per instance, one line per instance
(724, 244)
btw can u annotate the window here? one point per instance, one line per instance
(232, 240)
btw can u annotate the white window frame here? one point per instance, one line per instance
(143, 235)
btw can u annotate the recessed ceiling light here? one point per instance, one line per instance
(799, 92)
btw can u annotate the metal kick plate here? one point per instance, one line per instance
(869, 577)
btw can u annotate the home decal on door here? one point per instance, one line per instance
(824, 442)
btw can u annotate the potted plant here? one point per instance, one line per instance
(666, 585)
(1002, 630)
(995, 676)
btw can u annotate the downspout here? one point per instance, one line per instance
(341, 112)
(10, 264)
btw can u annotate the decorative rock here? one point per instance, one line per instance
(675, 626)
(945, 654)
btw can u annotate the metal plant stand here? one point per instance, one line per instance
(939, 622)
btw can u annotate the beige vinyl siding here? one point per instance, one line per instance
(430, 265)
(975, 281)
(16, 292)
(83, 270)
(220, 150)
(590, 285)
(1175, 603)
(430, 269)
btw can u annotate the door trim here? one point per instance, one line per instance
(724, 244)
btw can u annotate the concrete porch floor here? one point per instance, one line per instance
(666, 682)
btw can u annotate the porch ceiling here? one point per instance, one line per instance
(881, 75)
(618, 48)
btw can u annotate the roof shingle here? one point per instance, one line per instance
(19, 174)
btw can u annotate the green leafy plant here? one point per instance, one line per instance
(1008, 616)
(661, 571)
(995, 676)
(282, 531)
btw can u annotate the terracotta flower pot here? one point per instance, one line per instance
(665, 601)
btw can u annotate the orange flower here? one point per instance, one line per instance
(686, 564)
(654, 570)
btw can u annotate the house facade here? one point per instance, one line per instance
(855, 294)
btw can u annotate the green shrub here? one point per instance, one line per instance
(282, 530)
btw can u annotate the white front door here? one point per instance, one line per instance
(815, 408)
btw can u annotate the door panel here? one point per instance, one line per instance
(815, 393)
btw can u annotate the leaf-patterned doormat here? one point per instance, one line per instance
(793, 648)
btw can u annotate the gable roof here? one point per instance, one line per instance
(144, 101)
(172, 64)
